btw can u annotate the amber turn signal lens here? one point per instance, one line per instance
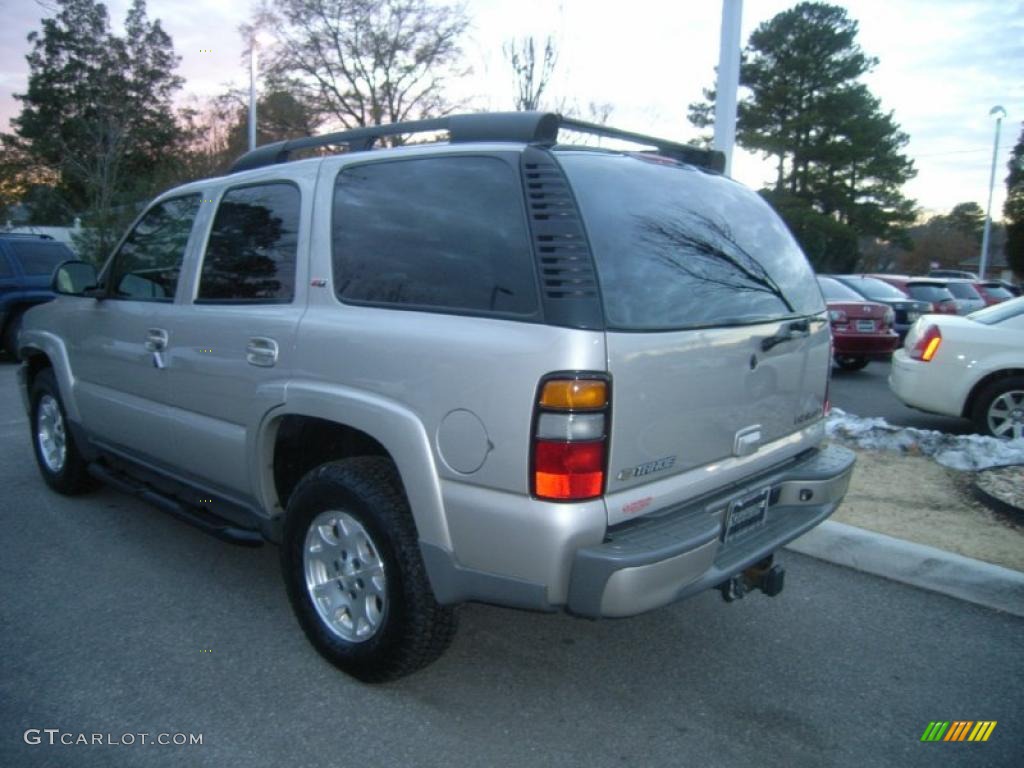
(574, 393)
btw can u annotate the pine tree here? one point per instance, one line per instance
(1013, 209)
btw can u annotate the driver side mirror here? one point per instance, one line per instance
(74, 278)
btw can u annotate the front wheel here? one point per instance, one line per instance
(999, 409)
(62, 466)
(850, 363)
(352, 567)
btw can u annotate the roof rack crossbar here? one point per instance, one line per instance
(530, 127)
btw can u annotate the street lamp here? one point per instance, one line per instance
(999, 113)
(256, 38)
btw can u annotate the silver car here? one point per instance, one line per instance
(494, 368)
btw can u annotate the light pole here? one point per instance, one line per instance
(255, 39)
(728, 80)
(1000, 113)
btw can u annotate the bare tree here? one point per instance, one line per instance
(369, 62)
(531, 75)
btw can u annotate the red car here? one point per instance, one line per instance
(992, 291)
(935, 291)
(861, 330)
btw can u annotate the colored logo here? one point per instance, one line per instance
(958, 730)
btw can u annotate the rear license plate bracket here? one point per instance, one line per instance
(865, 326)
(746, 514)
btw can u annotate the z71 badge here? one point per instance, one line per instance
(645, 469)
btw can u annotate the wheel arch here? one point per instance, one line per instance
(972, 397)
(326, 423)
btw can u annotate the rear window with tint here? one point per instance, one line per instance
(874, 289)
(441, 233)
(932, 293)
(678, 248)
(963, 291)
(40, 258)
(997, 292)
(833, 290)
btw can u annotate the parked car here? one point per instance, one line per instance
(495, 368)
(993, 291)
(861, 330)
(906, 309)
(969, 366)
(933, 291)
(967, 297)
(27, 263)
(953, 273)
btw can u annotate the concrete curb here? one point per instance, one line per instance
(926, 567)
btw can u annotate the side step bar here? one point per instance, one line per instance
(205, 521)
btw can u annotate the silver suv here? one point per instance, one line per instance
(492, 368)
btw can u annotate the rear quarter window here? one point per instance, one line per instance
(40, 258)
(442, 234)
(678, 248)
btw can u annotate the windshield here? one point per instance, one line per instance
(836, 291)
(678, 248)
(997, 313)
(874, 289)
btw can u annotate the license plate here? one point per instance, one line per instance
(866, 326)
(746, 514)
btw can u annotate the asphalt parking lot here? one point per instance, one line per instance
(118, 619)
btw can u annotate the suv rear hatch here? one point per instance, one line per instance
(717, 335)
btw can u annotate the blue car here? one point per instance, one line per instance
(27, 263)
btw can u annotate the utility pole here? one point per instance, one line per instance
(1000, 113)
(728, 80)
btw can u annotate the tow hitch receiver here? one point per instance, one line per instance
(763, 576)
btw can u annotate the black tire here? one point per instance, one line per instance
(1013, 386)
(72, 478)
(850, 363)
(10, 339)
(414, 629)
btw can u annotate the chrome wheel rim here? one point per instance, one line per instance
(1006, 415)
(345, 576)
(50, 435)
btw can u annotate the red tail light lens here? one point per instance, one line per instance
(570, 433)
(568, 470)
(927, 344)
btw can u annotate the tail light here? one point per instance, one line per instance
(927, 344)
(837, 316)
(826, 406)
(888, 318)
(570, 437)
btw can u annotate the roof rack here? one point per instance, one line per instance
(530, 127)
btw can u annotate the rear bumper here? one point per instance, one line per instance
(656, 560)
(875, 346)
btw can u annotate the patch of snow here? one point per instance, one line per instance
(963, 452)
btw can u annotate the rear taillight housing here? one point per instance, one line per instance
(570, 437)
(926, 344)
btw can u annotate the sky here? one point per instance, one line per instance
(943, 64)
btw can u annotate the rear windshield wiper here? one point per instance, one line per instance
(797, 329)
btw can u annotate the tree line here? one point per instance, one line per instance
(102, 129)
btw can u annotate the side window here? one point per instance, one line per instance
(434, 233)
(5, 267)
(251, 252)
(148, 264)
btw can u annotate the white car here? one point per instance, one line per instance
(969, 366)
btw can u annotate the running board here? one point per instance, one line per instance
(208, 522)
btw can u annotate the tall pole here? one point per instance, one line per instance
(252, 93)
(728, 80)
(1000, 113)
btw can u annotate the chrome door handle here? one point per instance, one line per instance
(261, 351)
(156, 340)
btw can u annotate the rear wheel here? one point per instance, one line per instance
(57, 456)
(999, 409)
(355, 578)
(851, 363)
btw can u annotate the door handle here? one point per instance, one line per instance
(261, 351)
(156, 340)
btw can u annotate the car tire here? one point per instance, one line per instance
(10, 336)
(57, 456)
(850, 363)
(999, 408)
(355, 578)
